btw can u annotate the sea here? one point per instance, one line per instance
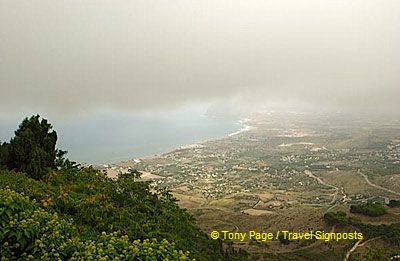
(112, 136)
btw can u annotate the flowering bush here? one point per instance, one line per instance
(29, 232)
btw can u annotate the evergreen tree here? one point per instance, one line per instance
(32, 150)
(3, 155)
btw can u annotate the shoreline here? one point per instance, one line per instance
(111, 169)
(245, 129)
(200, 144)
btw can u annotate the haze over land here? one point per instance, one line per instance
(315, 84)
(89, 67)
(64, 58)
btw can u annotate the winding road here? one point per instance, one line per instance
(309, 174)
(357, 244)
(377, 186)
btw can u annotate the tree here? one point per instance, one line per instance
(3, 155)
(32, 150)
(334, 218)
(369, 209)
(394, 203)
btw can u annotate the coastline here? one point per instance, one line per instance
(112, 169)
(200, 144)
(244, 129)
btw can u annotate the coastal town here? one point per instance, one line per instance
(270, 156)
(281, 171)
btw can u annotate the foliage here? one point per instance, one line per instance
(283, 239)
(394, 203)
(390, 232)
(336, 218)
(97, 203)
(369, 209)
(92, 202)
(3, 155)
(375, 254)
(29, 232)
(234, 254)
(32, 150)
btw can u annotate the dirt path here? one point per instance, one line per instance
(309, 174)
(357, 244)
(377, 186)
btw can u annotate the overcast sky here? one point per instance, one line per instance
(67, 56)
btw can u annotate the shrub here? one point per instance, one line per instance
(369, 209)
(336, 218)
(394, 203)
(29, 232)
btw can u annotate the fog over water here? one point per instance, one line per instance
(114, 136)
(83, 64)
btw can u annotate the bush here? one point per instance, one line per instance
(97, 203)
(31, 164)
(369, 209)
(391, 233)
(336, 218)
(29, 232)
(394, 203)
(283, 239)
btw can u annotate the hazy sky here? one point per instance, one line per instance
(67, 56)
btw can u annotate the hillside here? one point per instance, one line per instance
(89, 207)
(95, 204)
